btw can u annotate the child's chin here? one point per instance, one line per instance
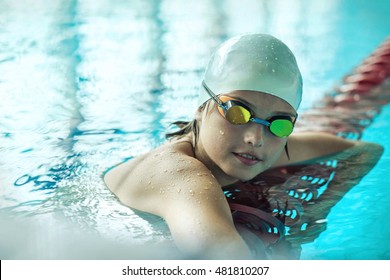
(243, 177)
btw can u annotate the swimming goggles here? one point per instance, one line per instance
(238, 113)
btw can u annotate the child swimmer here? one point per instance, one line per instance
(248, 106)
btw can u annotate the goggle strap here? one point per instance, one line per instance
(260, 121)
(216, 99)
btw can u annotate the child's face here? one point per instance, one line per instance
(231, 148)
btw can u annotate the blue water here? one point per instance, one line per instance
(85, 85)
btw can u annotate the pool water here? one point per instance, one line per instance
(84, 86)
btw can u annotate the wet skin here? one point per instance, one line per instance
(182, 183)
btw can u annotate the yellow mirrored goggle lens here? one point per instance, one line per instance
(238, 115)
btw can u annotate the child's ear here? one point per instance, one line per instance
(199, 113)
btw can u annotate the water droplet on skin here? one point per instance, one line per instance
(191, 192)
(165, 171)
(178, 190)
(221, 132)
(149, 182)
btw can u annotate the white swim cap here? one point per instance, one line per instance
(257, 62)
